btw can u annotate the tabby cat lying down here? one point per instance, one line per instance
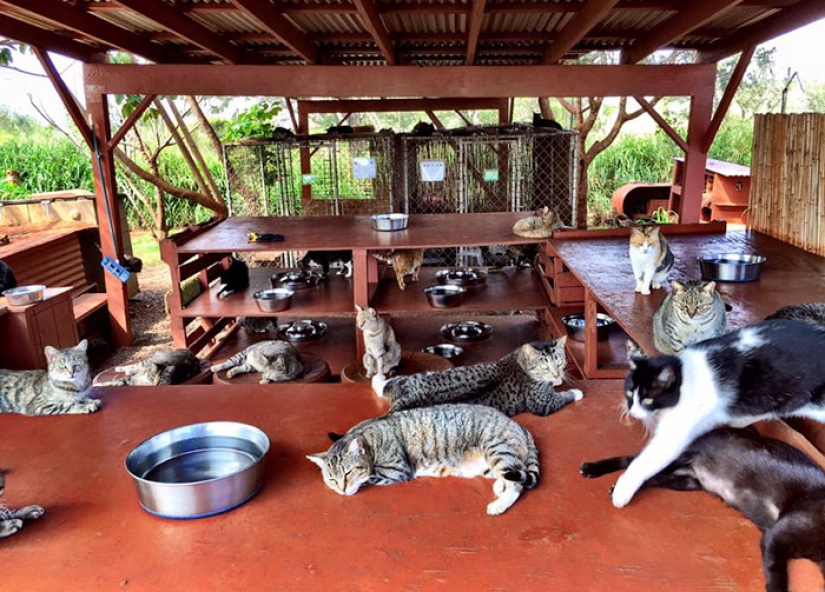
(163, 367)
(11, 521)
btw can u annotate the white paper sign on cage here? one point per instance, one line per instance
(432, 170)
(363, 168)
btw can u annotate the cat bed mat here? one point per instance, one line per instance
(411, 363)
(315, 370)
(204, 375)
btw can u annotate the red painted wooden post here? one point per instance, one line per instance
(701, 106)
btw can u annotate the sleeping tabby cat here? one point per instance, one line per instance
(776, 486)
(691, 312)
(541, 225)
(161, 368)
(524, 380)
(811, 311)
(404, 262)
(11, 521)
(61, 388)
(439, 441)
(277, 361)
(763, 371)
(382, 351)
(650, 256)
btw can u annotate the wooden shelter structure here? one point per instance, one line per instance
(387, 49)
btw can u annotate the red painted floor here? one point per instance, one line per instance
(432, 534)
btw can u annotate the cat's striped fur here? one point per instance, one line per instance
(810, 311)
(541, 225)
(404, 262)
(163, 367)
(277, 361)
(11, 521)
(691, 312)
(382, 351)
(650, 257)
(61, 388)
(524, 380)
(444, 440)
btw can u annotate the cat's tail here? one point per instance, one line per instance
(379, 381)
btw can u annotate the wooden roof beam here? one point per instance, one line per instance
(693, 16)
(37, 37)
(474, 29)
(175, 21)
(66, 16)
(66, 96)
(788, 19)
(270, 18)
(577, 28)
(375, 26)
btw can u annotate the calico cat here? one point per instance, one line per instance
(541, 225)
(7, 279)
(277, 361)
(763, 371)
(325, 259)
(523, 380)
(404, 262)
(811, 311)
(650, 256)
(161, 368)
(691, 312)
(61, 388)
(383, 352)
(439, 441)
(258, 324)
(234, 278)
(775, 485)
(11, 521)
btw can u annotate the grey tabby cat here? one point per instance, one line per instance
(691, 312)
(277, 361)
(61, 388)
(258, 324)
(523, 380)
(811, 311)
(383, 352)
(11, 521)
(161, 368)
(439, 441)
(542, 224)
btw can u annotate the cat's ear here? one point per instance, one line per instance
(634, 354)
(709, 287)
(678, 287)
(528, 352)
(653, 230)
(319, 459)
(356, 447)
(561, 341)
(359, 308)
(50, 351)
(82, 346)
(666, 377)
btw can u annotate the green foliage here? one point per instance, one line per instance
(760, 90)
(145, 247)
(255, 121)
(733, 142)
(45, 163)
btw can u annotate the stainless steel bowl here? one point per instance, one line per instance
(24, 295)
(466, 331)
(467, 277)
(445, 296)
(390, 222)
(274, 299)
(731, 267)
(198, 470)
(574, 323)
(445, 350)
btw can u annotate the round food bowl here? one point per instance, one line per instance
(273, 299)
(390, 222)
(466, 331)
(444, 296)
(294, 280)
(24, 295)
(467, 277)
(445, 350)
(731, 267)
(198, 470)
(574, 323)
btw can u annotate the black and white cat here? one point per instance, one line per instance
(7, 279)
(325, 259)
(765, 371)
(235, 278)
(777, 487)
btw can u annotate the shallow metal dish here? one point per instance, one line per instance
(574, 323)
(294, 280)
(390, 222)
(445, 296)
(467, 277)
(731, 267)
(466, 331)
(445, 350)
(198, 470)
(273, 299)
(24, 295)
(303, 330)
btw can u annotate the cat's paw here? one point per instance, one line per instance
(645, 291)
(588, 470)
(622, 493)
(10, 527)
(379, 381)
(31, 512)
(496, 508)
(656, 286)
(90, 405)
(577, 394)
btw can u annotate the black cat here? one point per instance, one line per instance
(234, 278)
(7, 279)
(539, 121)
(326, 258)
(777, 487)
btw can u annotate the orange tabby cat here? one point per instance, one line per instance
(404, 262)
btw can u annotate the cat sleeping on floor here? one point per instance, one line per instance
(439, 441)
(11, 521)
(691, 312)
(650, 256)
(277, 361)
(382, 352)
(524, 380)
(404, 262)
(764, 371)
(161, 368)
(541, 225)
(61, 388)
(325, 259)
(811, 311)
(772, 483)
(234, 278)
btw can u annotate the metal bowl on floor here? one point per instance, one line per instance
(574, 323)
(445, 296)
(24, 295)
(273, 299)
(198, 470)
(467, 277)
(445, 350)
(731, 267)
(302, 330)
(294, 280)
(466, 331)
(390, 222)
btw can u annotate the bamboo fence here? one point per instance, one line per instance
(787, 199)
